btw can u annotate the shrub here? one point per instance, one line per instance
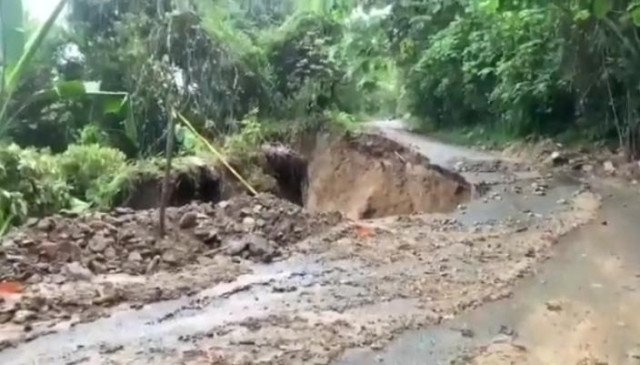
(31, 183)
(87, 167)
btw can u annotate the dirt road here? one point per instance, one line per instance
(396, 290)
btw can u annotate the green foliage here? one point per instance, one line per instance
(86, 168)
(492, 67)
(11, 41)
(522, 67)
(245, 144)
(31, 183)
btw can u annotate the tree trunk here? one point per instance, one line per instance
(166, 182)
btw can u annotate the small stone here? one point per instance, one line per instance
(75, 271)
(236, 246)
(634, 354)
(134, 256)
(97, 267)
(248, 223)
(22, 316)
(153, 264)
(34, 279)
(123, 211)
(99, 243)
(553, 306)
(110, 253)
(207, 235)
(49, 249)
(609, 168)
(169, 257)
(46, 225)
(468, 333)
(557, 159)
(258, 245)
(562, 202)
(107, 349)
(188, 220)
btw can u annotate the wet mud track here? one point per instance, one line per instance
(357, 285)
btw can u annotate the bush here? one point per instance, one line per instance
(31, 183)
(499, 69)
(87, 168)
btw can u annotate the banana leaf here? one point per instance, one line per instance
(13, 73)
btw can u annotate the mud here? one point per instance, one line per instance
(193, 181)
(306, 297)
(368, 176)
(72, 265)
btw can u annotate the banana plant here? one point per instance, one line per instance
(11, 15)
(19, 56)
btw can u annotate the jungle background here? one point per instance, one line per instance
(90, 94)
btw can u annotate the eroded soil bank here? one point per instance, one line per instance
(263, 281)
(366, 176)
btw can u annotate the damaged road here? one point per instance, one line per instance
(251, 294)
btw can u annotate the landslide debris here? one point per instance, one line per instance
(126, 241)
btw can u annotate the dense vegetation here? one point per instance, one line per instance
(91, 98)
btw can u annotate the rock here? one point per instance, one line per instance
(207, 235)
(258, 245)
(107, 349)
(284, 289)
(557, 159)
(502, 338)
(110, 253)
(23, 316)
(5, 317)
(609, 168)
(134, 256)
(236, 246)
(634, 354)
(123, 211)
(248, 223)
(46, 225)
(153, 264)
(554, 306)
(188, 220)
(562, 202)
(75, 271)
(97, 267)
(170, 257)
(468, 333)
(587, 168)
(99, 243)
(49, 249)
(34, 279)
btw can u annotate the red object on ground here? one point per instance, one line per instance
(365, 232)
(11, 288)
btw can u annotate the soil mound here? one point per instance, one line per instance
(126, 241)
(369, 176)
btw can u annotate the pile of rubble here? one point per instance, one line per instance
(127, 241)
